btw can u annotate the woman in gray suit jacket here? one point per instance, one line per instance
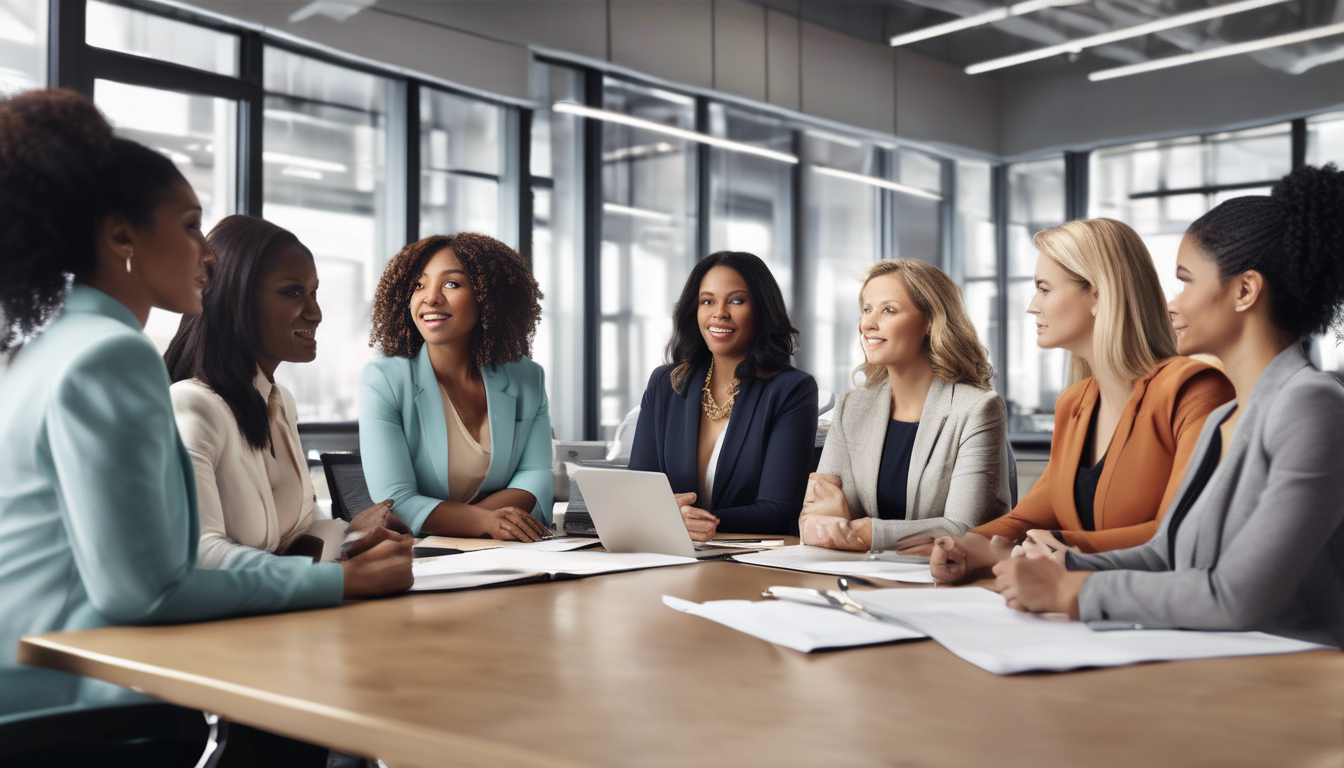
(1253, 539)
(920, 447)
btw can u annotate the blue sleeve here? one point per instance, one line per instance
(644, 446)
(533, 473)
(385, 452)
(117, 457)
(784, 469)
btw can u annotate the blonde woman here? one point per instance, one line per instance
(918, 449)
(1125, 429)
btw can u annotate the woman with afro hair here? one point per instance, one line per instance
(1253, 539)
(454, 425)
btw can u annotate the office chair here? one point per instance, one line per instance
(1012, 477)
(147, 735)
(345, 480)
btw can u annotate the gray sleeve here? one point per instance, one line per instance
(1294, 515)
(835, 457)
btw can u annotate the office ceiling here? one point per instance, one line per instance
(878, 20)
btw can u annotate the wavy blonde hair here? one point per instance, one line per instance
(1133, 332)
(954, 348)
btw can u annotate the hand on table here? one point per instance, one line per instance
(512, 524)
(1039, 585)
(378, 516)
(699, 523)
(835, 532)
(947, 561)
(379, 563)
(1042, 543)
(824, 498)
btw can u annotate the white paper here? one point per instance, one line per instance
(801, 627)
(525, 561)
(978, 626)
(332, 535)
(562, 544)
(802, 557)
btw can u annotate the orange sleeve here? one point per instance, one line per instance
(1032, 511)
(1199, 396)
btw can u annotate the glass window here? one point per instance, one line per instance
(325, 177)
(840, 221)
(23, 45)
(462, 159)
(125, 30)
(918, 226)
(1325, 139)
(751, 197)
(557, 245)
(975, 264)
(198, 133)
(648, 240)
(1035, 376)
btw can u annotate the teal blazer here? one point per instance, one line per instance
(98, 521)
(403, 435)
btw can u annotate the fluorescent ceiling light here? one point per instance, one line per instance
(638, 213)
(303, 162)
(1219, 52)
(876, 182)
(571, 108)
(978, 20)
(1157, 25)
(302, 173)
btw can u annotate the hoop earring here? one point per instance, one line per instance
(129, 253)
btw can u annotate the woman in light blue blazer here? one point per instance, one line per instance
(454, 426)
(98, 521)
(1254, 538)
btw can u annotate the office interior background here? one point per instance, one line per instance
(361, 125)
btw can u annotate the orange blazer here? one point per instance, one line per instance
(1144, 462)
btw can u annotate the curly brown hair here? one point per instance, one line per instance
(508, 295)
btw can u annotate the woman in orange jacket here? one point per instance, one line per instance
(1125, 429)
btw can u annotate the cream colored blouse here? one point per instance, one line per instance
(468, 460)
(282, 468)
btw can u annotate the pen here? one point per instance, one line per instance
(1109, 626)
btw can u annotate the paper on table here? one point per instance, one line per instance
(560, 544)
(978, 626)
(528, 563)
(801, 627)
(802, 557)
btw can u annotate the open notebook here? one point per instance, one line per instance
(512, 565)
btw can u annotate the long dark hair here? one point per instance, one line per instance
(220, 345)
(61, 172)
(1294, 237)
(775, 338)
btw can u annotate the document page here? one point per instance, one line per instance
(802, 557)
(499, 563)
(805, 628)
(978, 626)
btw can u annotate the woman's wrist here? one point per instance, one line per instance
(1067, 592)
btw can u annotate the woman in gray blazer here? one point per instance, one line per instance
(919, 447)
(1253, 538)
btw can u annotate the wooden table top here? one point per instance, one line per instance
(598, 672)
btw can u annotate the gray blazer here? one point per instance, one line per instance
(1262, 548)
(958, 467)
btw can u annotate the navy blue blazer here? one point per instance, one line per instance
(767, 446)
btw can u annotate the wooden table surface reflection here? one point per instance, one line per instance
(598, 672)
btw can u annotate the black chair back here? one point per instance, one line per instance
(345, 480)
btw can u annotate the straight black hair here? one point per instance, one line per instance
(775, 339)
(220, 345)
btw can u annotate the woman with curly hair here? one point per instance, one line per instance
(454, 426)
(728, 420)
(97, 495)
(921, 447)
(1254, 540)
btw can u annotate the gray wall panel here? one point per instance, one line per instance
(577, 26)
(739, 48)
(782, 60)
(672, 39)
(847, 79)
(936, 102)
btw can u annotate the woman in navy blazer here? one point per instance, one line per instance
(728, 420)
(454, 426)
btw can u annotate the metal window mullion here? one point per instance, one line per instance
(592, 254)
(251, 126)
(703, 163)
(67, 53)
(999, 203)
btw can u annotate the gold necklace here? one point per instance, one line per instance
(712, 409)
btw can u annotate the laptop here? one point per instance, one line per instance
(637, 512)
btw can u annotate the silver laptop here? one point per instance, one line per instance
(637, 512)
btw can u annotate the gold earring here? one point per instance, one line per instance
(129, 253)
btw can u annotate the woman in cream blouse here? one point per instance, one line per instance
(255, 496)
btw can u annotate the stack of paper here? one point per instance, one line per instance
(978, 626)
(801, 627)
(836, 562)
(513, 565)
(558, 544)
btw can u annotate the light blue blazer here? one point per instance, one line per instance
(98, 521)
(403, 435)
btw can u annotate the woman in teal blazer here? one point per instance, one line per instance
(454, 425)
(98, 521)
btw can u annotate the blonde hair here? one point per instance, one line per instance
(1133, 332)
(954, 348)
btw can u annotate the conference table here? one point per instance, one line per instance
(598, 672)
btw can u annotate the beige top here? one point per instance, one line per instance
(468, 460)
(282, 469)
